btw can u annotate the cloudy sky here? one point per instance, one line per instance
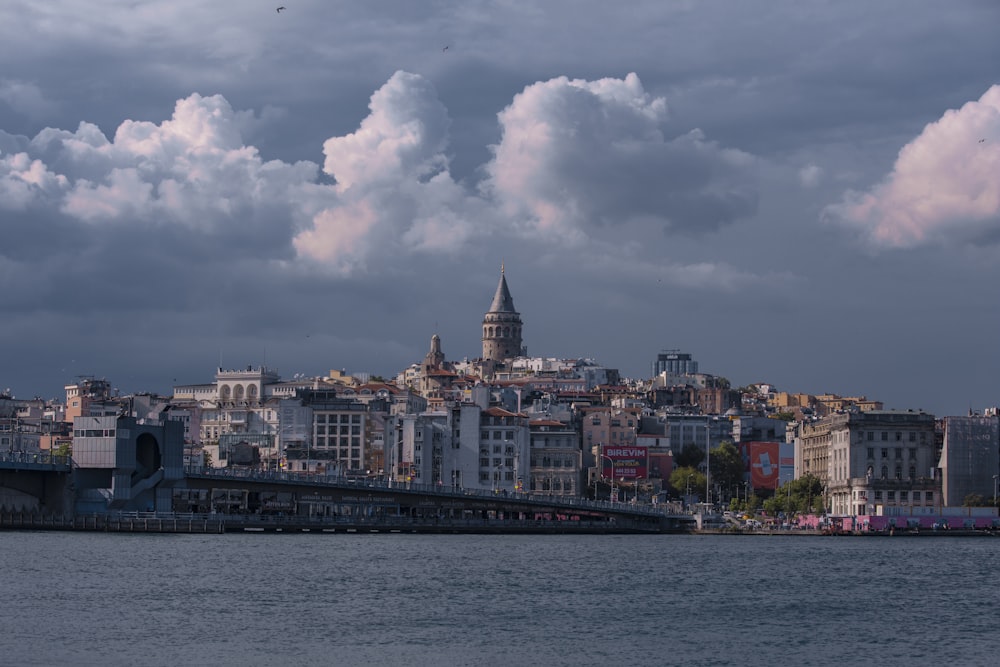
(799, 193)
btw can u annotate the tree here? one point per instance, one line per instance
(688, 480)
(803, 495)
(726, 467)
(691, 456)
(976, 500)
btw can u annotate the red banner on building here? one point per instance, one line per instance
(764, 471)
(631, 462)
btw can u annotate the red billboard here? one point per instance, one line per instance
(624, 462)
(764, 471)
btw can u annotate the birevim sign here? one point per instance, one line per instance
(630, 462)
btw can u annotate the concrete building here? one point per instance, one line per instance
(748, 429)
(463, 446)
(674, 362)
(124, 463)
(970, 458)
(876, 462)
(339, 440)
(556, 459)
(89, 393)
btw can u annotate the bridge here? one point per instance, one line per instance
(36, 491)
(362, 503)
(36, 480)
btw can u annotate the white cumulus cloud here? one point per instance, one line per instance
(394, 191)
(576, 158)
(576, 155)
(944, 183)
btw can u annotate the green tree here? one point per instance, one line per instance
(802, 495)
(726, 467)
(688, 479)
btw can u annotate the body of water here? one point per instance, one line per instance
(393, 599)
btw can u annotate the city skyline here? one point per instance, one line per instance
(803, 195)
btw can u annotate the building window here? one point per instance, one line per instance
(871, 452)
(929, 496)
(890, 495)
(885, 436)
(904, 496)
(878, 495)
(885, 453)
(871, 435)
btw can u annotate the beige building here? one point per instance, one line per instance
(877, 462)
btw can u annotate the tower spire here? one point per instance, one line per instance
(502, 324)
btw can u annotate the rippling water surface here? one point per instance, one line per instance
(246, 600)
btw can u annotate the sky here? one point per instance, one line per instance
(805, 194)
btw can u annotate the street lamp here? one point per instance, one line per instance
(513, 449)
(612, 462)
(597, 472)
(636, 501)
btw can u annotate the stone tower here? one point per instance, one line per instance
(501, 326)
(435, 358)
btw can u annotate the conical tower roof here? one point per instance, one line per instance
(502, 301)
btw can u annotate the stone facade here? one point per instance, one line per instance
(501, 326)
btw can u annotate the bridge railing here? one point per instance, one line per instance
(383, 521)
(35, 459)
(343, 482)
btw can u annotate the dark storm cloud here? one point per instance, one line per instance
(326, 188)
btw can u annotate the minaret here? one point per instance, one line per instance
(501, 326)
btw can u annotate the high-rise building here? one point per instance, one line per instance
(674, 362)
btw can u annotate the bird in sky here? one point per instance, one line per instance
(446, 48)
(279, 9)
(981, 140)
